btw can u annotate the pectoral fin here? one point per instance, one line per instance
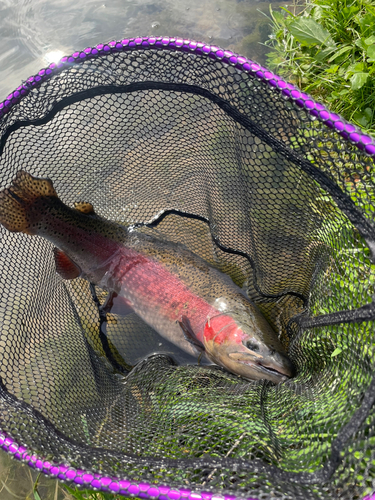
(189, 334)
(65, 267)
(116, 304)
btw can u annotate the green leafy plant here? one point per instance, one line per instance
(327, 48)
(91, 495)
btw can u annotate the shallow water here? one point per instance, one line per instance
(34, 33)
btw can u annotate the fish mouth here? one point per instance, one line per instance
(272, 371)
(281, 372)
(266, 370)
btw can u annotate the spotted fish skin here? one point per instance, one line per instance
(172, 289)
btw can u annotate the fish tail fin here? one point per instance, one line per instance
(17, 201)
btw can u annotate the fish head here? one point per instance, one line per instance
(242, 350)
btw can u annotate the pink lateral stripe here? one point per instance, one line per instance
(159, 288)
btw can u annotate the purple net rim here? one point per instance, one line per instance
(347, 130)
(95, 481)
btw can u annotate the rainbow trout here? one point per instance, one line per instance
(185, 299)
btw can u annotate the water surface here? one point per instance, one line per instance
(34, 33)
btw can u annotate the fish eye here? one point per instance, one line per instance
(252, 346)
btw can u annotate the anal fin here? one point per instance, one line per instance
(65, 267)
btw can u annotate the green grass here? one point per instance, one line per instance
(91, 495)
(327, 48)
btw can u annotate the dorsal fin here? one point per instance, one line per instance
(84, 207)
(65, 267)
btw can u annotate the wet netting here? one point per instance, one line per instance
(205, 148)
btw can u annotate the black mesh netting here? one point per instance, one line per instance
(212, 157)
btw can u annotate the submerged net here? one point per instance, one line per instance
(212, 151)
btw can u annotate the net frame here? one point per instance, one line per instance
(347, 130)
